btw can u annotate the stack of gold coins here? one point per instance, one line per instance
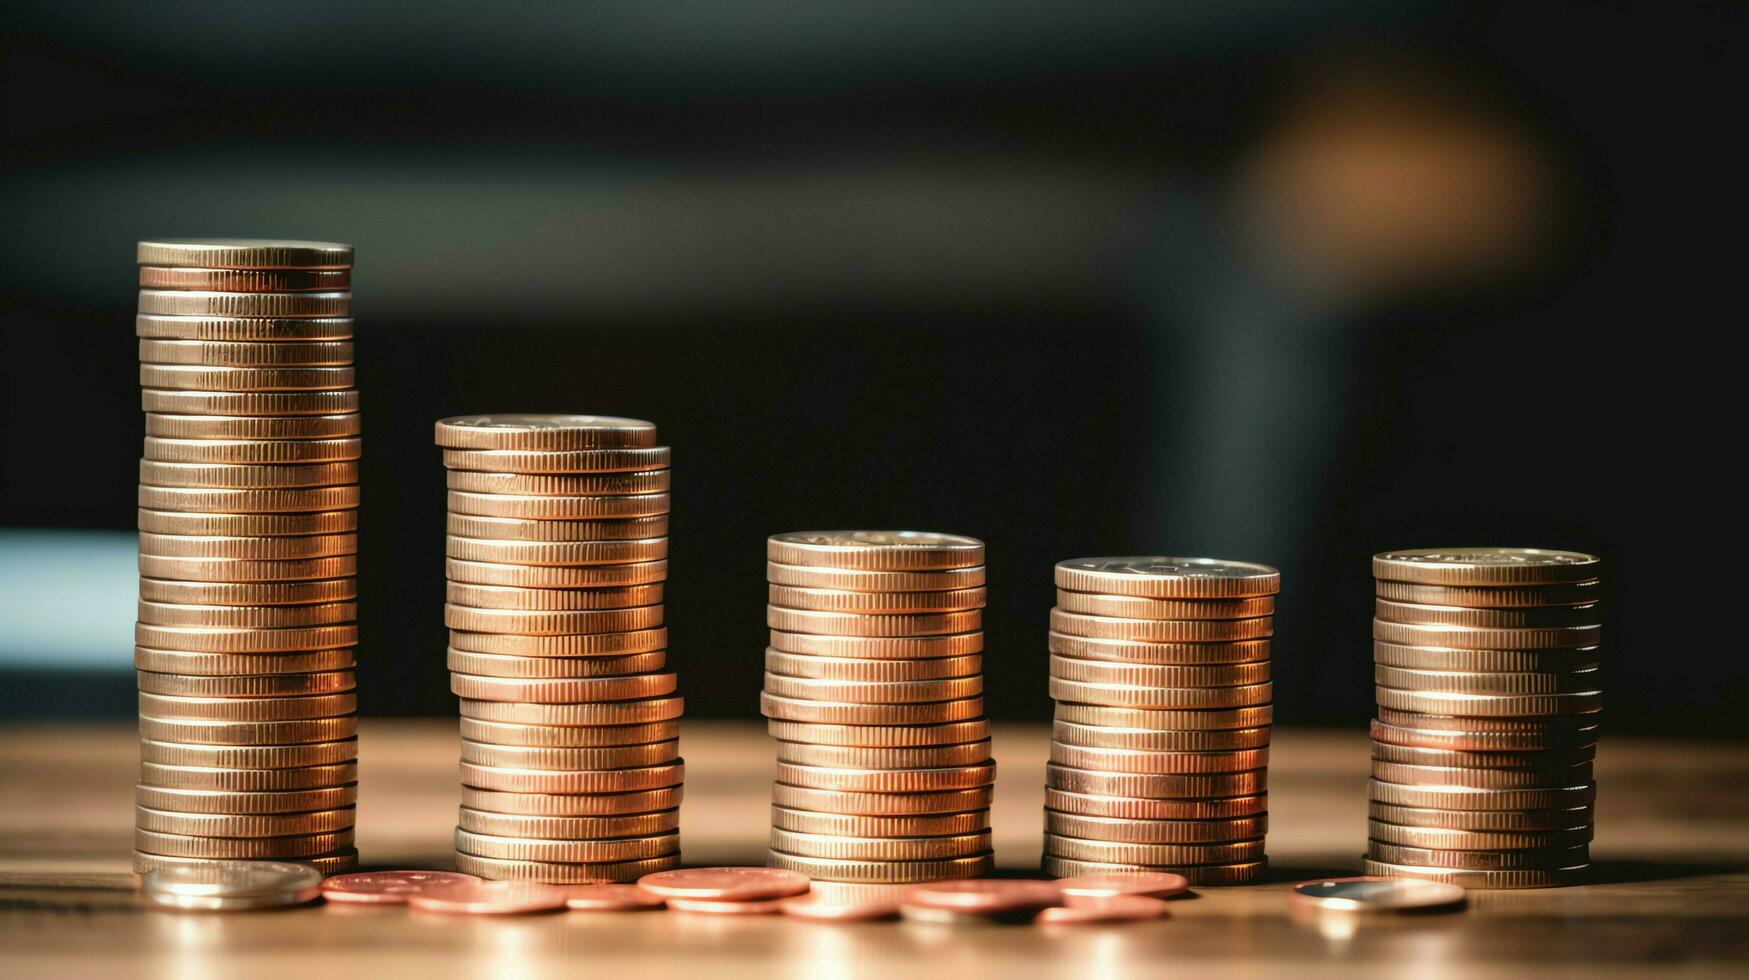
(248, 547)
(1160, 748)
(1486, 665)
(874, 691)
(557, 550)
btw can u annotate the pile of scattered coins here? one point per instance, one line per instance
(557, 551)
(1486, 664)
(873, 689)
(248, 518)
(1160, 747)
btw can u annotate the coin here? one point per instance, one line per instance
(186, 845)
(875, 603)
(569, 782)
(853, 624)
(557, 758)
(567, 851)
(223, 801)
(229, 328)
(1102, 910)
(189, 523)
(1580, 728)
(1475, 682)
(1153, 761)
(1532, 878)
(245, 280)
(1165, 855)
(609, 898)
(1236, 873)
(210, 732)
(871, 671)
(556, 576)
(1479, 638)
(573, 804)
(171, 401)
(269, 501)
(843, 848)
(344, 859)
(1155, 831)
(1145, 652)
(842, 713)
(1413, 775)
(707, 906)
(195, 302)
(544, 433)
(842, 907)
(563, 873)
(494, 665)
(986, 896)
(1374, 895)
(543, 622)
(255, 617)
(880, 804)
(252, 428)
(224, 639)
(555, 552)
(574, 645)
(247, 709)
(858, 580)
(251, 450)
(1501, 821)
(200, 546)
(1490, 597)
(1140, 808)
(390, 887)
(1524, 617)
(1485, 566)
(488, 898)
(557, 462)
(1544, 760)
(501, 733)
(244, 825)
(1160, 698)
(1158, 675)
(568, 828)
(249, 756)
(855, 825)
(508, 597)
(559, 485)
(241, 476)
(600, 713)
(1476, 798)
(204, 378)
(1505, 661)
(874, 692)
(880, 551)
(244, 253)
(857, 757)
(728, 884)
(557, 508)
(1166, 720)
(241, 664)
(312, 353)
(1550, 858)
(218, 886)
(1161, 630)
(1155, 785)
(248, 780)
(1150, 884)
(1160, 577)
(561, 690)
(878, 647)
(1069, 733)
(1446, 839)
(1464, 704)
(887, 780)
(1136, 607)
(880, 736)
(518, 529)
(881, 872)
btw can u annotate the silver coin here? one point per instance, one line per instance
(231, 885)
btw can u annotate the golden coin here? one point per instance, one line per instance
(852, 825)
(217, 639)
(1144, 760)
(573, 805)
(1439, 838)
(185, 845)
(867, 603)
(852, 669)
(881, 736)
(246, 569)
(1440, 738)
(1582, 726)
(247, 525)
(1239, 873)
(1494, 821)
(516, 529)
(248, 593)
(841, 848)
(555, 576)
(1170, 720)
(224, 801)
(1472, 798)
(1472, 682)
(568, 851)
(202, 546)
(555, 552)
(840, 713)
(1544, 760)
(231, 476)
(878, 647)
(1543, 858)
(216, 353)
(883, 872)
(873, 692)
(244, 825)
(559, 462)
(1144, 739)
(1484, 661)
(257, 617)
(556, 873)
(1414, 775)
(195, 302)
(545, 622)
(879, 804)
(244, 328)
(244, 280)
(509, 597)
(1158, 577)
(172, 707)
(566, 715)
(583, 781)
(853, 624)
(248, 780)
(863, 757)
(1137, 607)
(1488, 705)
(496, 665)
(252, 686)
(559, 485)
(1156, 785)
(198, 377)
(1158, 675)
(550, 758)
(1482, 879)
(1490, 597)
(1159, 698)
(1145, 652)
(221, 501)
(208, 732)
(1535, 617)
(568, 828)
(248, 756)
(1132, 831)
(858, 580)
(1140, 808)
(1154, 855)
(555, 736)
(578, 645)
(1485, 566)
(544, 433)
(879, 551)
(537, 508)
(339, 862)
(563, 690)
(1162, 630)
(1477, 638)
(245, 427)
(251, 450)
(887, 780)
(244, 253)
(241, 664)
(174, 402)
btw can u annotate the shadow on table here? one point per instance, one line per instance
(1621, 872)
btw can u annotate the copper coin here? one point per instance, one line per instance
(1163, 577)
(228, 801)
(887, 780)
(573, 804)
(1547, 760)
(883, 872)
(247, 709)
(544, 433)
(508, 597)
(857, 580)
(249, 756)
(873, 692)
(1136, 607)
(251, 451)
(555, 758)
(1086, 910)
(855, 624)
(1484, 566)
(852, 825)
(711, 907)
(559, 485)
(189, 845)
(246, 686)
(556, 553)
(880, 736)
(323, 591)
(1149, 760)
(1132, 831)
(545, 622)
(838, 848)
(880, 804)
(563, 872)
(1523, 617)
(1160, 698)
(522, 529)
(229, 501)
(871, 671)
(1156, 785)
(207, 732)
(839, 906)
(1156, 855)
(1548, 858)
(199, 377)
(1168, 720)
(1488, 705)
(726, 884)
(1151, 884)
(1449, 776)
(880, 551)
(265, 548)
(1475, 682)
(1487, 820)
(551, 668)
(171, 401)
(1158, 675)
(1520, 878)
(570, 782)
(567, 828)
(874, 603)
(580, 645)
(986, 895)
(1162, 630)
(856, 757)
(1149, 652)
(1140, 808)
(241, 328)
(1095, 736)
(567, 851)
(878, 647)
(1472, 798)
(1445, 839)
(249, 780)
(564, 715)
(182, 523)
(389, 887)
(1490, 597)
(244, 280)
(555, 576)
(234, 639)
(609, 898)
(845, 713)
(562, 690)
(242, 664)
(245, 824)
(558, 462)
(556, 736)
(247, 569)
(489, 898)
(1237, 873)
(557, 508)
(1446, 658)
(1478, 638)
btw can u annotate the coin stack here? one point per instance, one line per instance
(1160, 747)
(248, 542)
(873, 689)
(556, 553)
(1486, 665)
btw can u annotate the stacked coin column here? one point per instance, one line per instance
(1160, 747)
(873, 688)
(557, 550)
(248, 540)
(1486, 665)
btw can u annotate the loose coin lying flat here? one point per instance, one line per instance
(1104, 909)
(1371, 894)
(231, 885)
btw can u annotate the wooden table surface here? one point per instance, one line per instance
(1671, 894)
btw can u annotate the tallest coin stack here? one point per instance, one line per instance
(248, 540)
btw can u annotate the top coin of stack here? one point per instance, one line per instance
(873, 688)
(1160, 750)
(1486, 664)
(557, 550)
(248, 540)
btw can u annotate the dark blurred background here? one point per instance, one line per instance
(1274, 281)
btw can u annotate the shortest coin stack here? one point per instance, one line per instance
(1486, 664)
(874, 691)
(1160, 748)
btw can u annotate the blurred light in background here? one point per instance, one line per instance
(67, 599)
